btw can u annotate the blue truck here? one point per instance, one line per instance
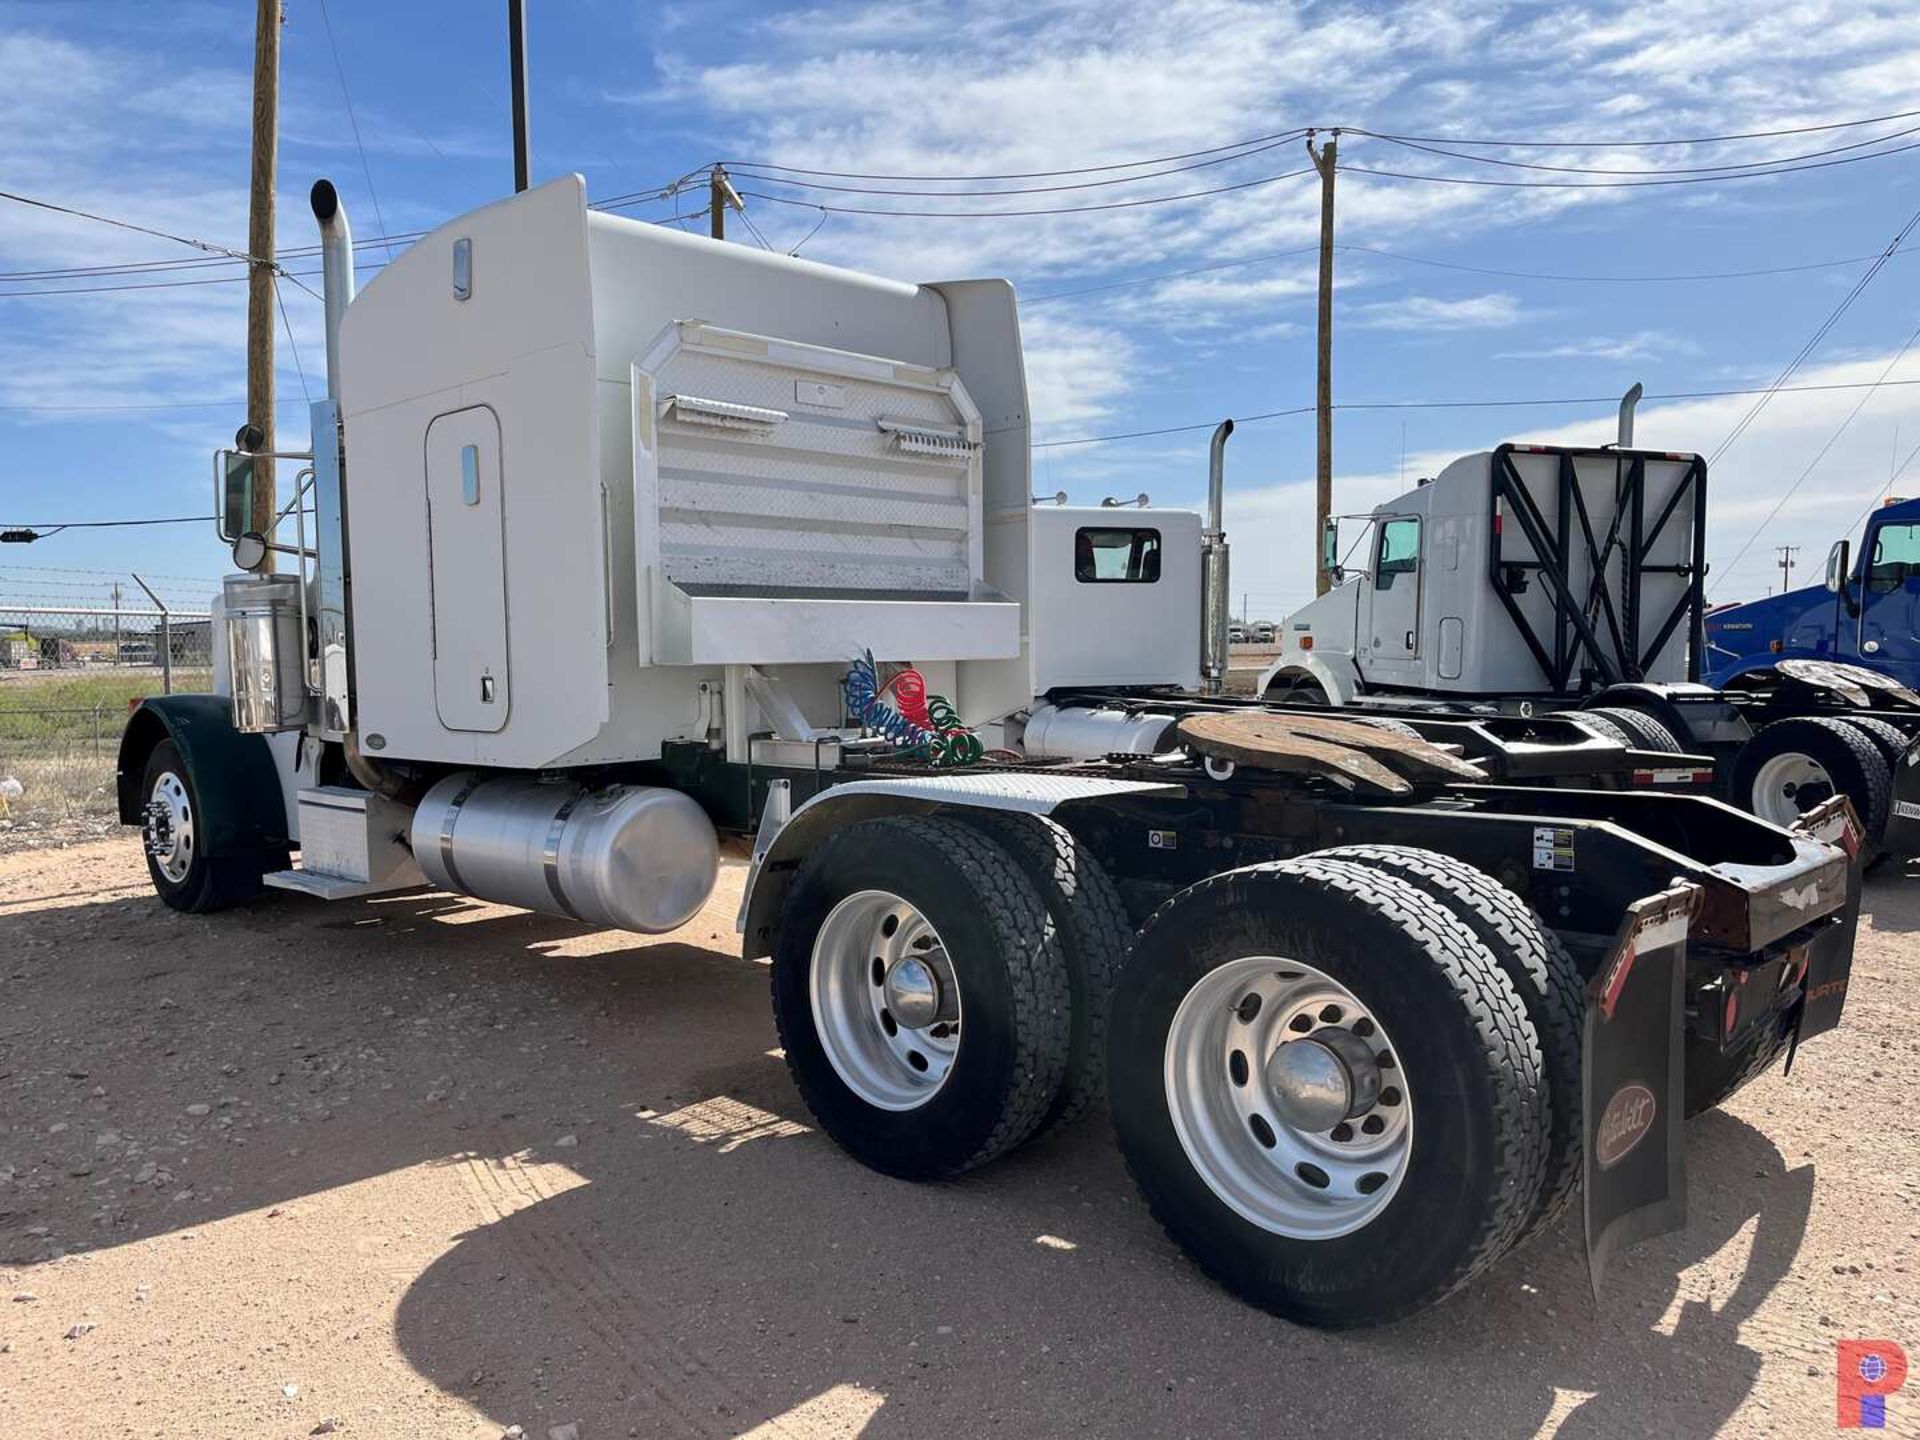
(1866, 614)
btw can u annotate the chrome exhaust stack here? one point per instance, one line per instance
(1214, 598)
(336, 271)
(1627, 403)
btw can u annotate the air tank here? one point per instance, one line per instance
(633, 857)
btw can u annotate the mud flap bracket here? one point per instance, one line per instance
(1633, 1080)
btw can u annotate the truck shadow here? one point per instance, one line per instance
(662, 1244)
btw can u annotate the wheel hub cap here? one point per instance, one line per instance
(1288, 1098)
(1316, 1083)
(886, 1003)
(912, 993)
(168, 832)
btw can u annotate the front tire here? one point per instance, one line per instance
(921, 996)
(1338, 1225)
(174, 833)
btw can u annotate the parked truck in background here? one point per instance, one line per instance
(1540, 578)
(624, 540)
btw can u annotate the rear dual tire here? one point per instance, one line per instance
(1795, 764)
(1465, 1057)
(922, 996)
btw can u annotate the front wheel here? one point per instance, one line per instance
(174, 828)
(921, 996)
(1328, 1090)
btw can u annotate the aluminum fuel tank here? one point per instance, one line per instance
(634, 857)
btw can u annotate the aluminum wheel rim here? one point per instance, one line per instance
(1305, 1184)
(1783, 781)
(169, 827)
(875, 954)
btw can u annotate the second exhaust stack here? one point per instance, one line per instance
(1213, 569)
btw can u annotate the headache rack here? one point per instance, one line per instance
(1600, 551)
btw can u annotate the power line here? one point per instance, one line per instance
(1641, 144)
(1006, 214)
(1298, 130)
(1279, 135)
(1623, 184)
(1030, 189)
(293, 346)
(206, 245)
(1813, 341)
(1832, 440)
(1169, 429)
(1612, 279)
(326, 20)
(110, 524)
(1481, 405)
(1775, 161)
(1677, 278)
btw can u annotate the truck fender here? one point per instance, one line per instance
(235, 776)
(781, 846)
(1336, 675)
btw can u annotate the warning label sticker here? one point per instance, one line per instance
(1552, 847)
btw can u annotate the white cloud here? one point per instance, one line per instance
(1641, 345)
(1428, 312)
(1075, 372)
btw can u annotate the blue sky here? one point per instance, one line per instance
(141, 111)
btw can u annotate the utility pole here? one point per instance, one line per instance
(1323, 161)
(260, 297)
(720, 194)
(1787, 552)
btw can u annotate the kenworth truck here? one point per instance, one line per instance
(1538, 579)
(623, 540)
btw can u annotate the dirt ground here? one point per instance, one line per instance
(424, 1167)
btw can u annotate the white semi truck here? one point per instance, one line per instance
(1543, 579)
(608, 525)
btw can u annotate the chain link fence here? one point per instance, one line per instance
(77, 650)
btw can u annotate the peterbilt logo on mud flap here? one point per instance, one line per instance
(1623, 1124)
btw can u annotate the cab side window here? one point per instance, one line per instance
(1399, 552)
(1116, 556)
(1896, 556)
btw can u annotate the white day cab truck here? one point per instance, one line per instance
(1543, 579)
(608, 525)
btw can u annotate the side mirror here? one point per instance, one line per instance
(236, 494)
(1336, 575)
(249, 550)
(1330, 546)
(1837, 567)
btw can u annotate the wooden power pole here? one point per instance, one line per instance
(720, 194)
(260, 297)
(1323, 161)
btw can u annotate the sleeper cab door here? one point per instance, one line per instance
(466, 543)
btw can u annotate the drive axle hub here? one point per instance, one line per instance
(1318, 1081)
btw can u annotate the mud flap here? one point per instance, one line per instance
(1829, 959)
(1633, 1081)
(1902, 835)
